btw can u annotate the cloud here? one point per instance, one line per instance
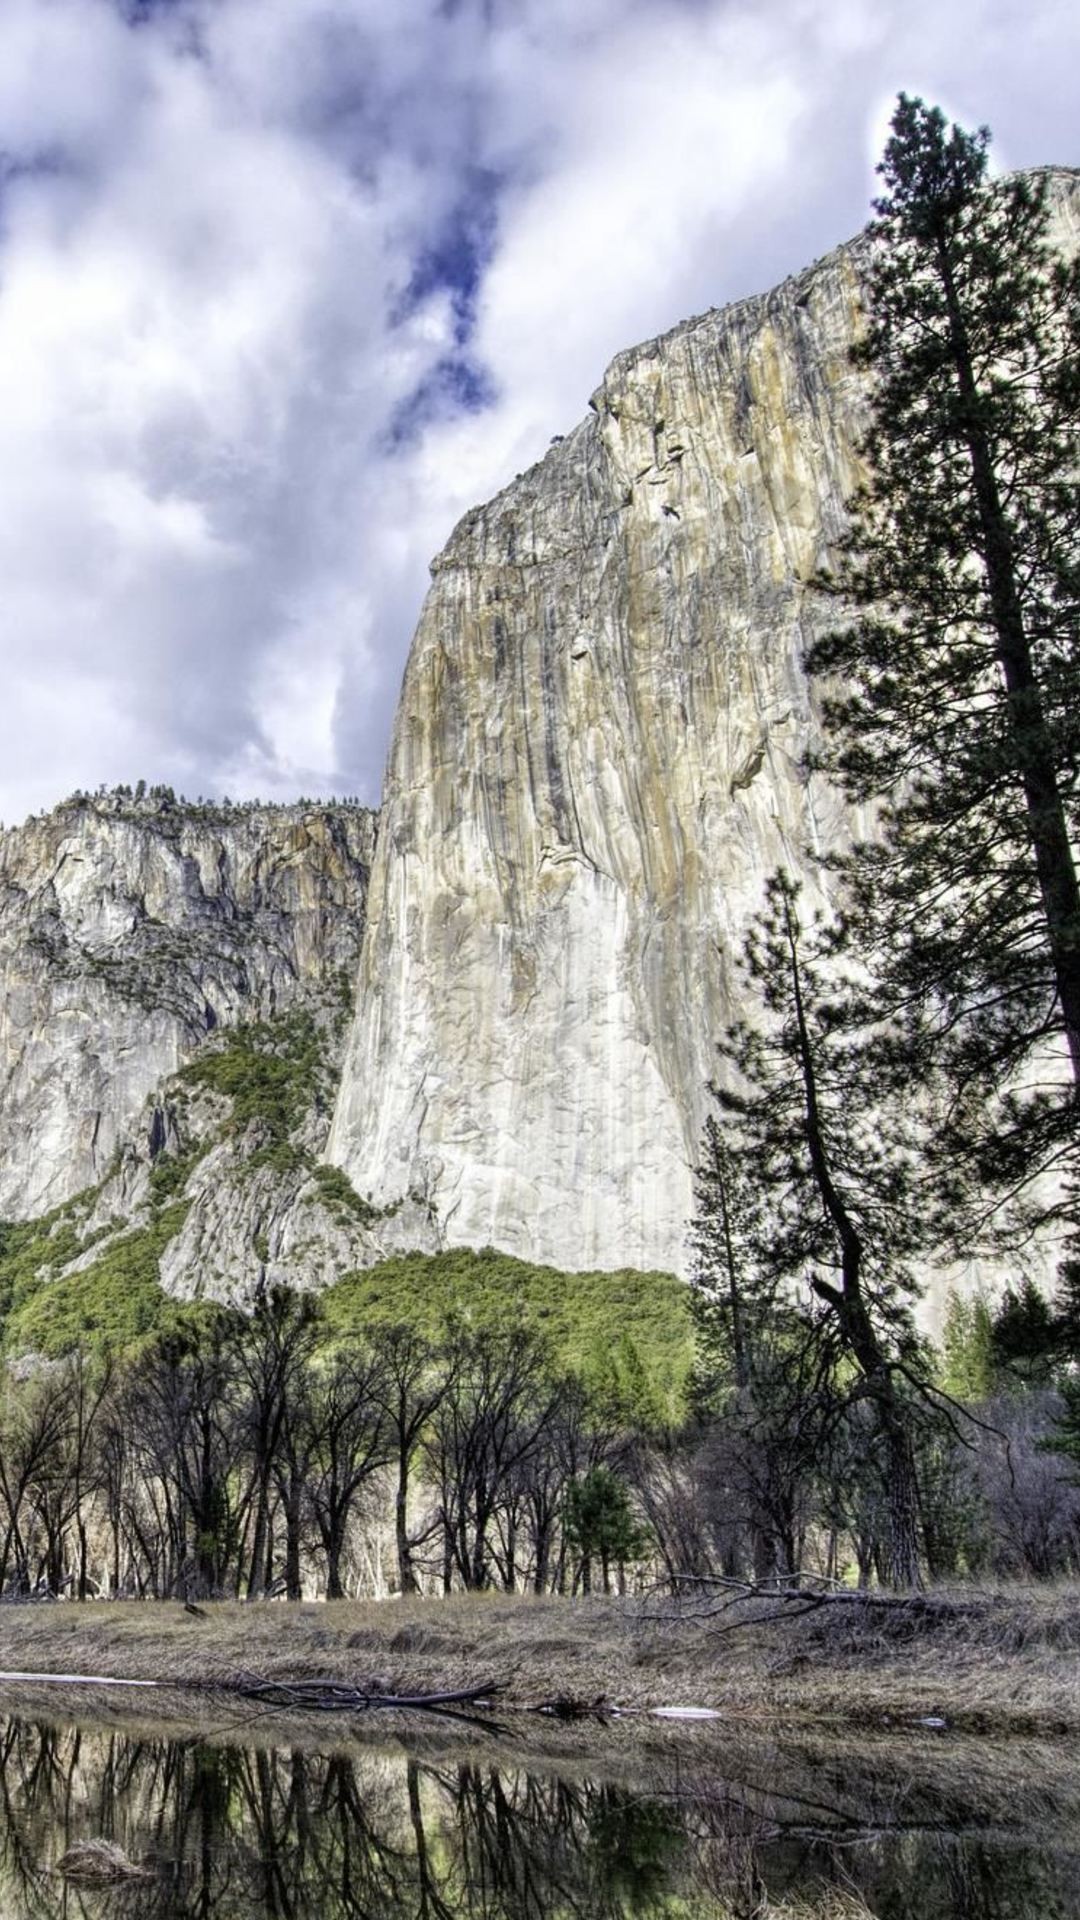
(287, 285)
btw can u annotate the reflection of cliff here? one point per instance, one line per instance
(244, 1833)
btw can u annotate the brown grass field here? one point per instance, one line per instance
(994, 1661)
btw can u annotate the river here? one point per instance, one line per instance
(248, 1817)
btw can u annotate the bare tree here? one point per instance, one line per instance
(350, 1441)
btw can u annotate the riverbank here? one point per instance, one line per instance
(997, 1661)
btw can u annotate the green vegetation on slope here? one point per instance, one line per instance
(625, 1333)
(32, 1250)
(272, 1072)
(115, 1302)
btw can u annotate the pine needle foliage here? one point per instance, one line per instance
(953, 697)
(806, 1222)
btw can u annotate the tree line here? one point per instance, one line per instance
(249, 1455)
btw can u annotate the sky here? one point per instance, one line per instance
(286, 286)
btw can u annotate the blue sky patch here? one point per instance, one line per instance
(455, 260)
(456, 384)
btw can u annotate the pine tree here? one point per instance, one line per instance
(958, 671)
(968, 1363)
(1025, 1336)
(820, 1238)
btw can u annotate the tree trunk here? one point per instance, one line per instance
(257, 1575)
(293, 1503)
(334, 1541)
(407, 1580)
(901, 1558)
(1047, 824)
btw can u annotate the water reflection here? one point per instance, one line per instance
(236, 1833)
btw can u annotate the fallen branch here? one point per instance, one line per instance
(792, 1599)
(329, 1696)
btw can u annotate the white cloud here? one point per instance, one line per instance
(239, 242)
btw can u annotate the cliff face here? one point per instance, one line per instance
(596, 762)
(130, 931)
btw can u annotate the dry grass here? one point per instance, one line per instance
(1011, 1665)
(829, 1904)
(99, 1863)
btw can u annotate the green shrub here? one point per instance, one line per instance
(33, 1248)
(169, 1174)
(336, 1191)
(115, 1302)
(272, 1072)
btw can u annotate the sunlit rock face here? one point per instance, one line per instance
(130, 931)
(597, 760)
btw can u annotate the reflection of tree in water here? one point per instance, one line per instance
(524, 1847)
(239, 1834)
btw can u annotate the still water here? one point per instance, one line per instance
(239, 1823)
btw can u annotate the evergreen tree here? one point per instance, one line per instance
(599, 1522)
(968, 1359)
(958, 672)
(719, 1230)
(764, 1379)
(1065, 1437)
(1026, 1337)
(816, 1247)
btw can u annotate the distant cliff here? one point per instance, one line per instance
(596, 761)
(130, 930)
(597, 758)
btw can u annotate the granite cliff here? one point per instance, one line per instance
(129, 931)
(175, 985)
(597, 759)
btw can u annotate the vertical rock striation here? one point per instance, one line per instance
(595, 763)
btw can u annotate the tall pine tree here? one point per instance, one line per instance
(958, 671)
(806, 1220)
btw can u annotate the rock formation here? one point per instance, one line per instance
(596, 761)
(130, 930)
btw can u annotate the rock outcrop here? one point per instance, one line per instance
(596, 761)
(130, 931)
